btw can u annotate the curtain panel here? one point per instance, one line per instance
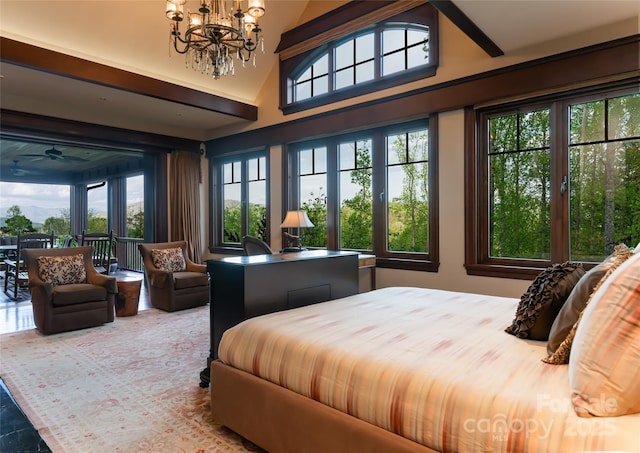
(185, 201)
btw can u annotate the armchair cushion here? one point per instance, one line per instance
(171, 260)
(190, 279)
(78, 294)
(62, 270)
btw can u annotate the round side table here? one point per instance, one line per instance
(128, 296)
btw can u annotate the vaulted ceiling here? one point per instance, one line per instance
(133, 36)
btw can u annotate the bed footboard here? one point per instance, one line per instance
(281, 421)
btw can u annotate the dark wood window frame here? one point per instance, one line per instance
(477, 257)
(216, 217)
(291, 68)
(388, 259)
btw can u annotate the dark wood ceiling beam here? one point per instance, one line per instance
(460, 20)
(41, 59)
(30, 127)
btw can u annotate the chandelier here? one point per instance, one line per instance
(217, 34)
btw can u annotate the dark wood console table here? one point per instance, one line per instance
(246, 286)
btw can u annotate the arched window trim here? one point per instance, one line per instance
(417, 18)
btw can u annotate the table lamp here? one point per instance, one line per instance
(296, 219)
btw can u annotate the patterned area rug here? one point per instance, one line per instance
(128, 386)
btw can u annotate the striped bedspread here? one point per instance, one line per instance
(433, 366)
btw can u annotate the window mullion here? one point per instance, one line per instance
(378, 161)
(559, 228)
(331, 69)
(333, 209)
(244, 193)
(377, 54)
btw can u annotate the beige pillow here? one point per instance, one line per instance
(62, 270)
(171, 260)
(568, 314)
(604, 367)
(566, 323)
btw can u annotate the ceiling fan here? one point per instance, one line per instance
(55, 154)
(17, 171)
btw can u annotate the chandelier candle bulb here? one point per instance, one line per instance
(256, 8)
(174, 11)
(216, 32)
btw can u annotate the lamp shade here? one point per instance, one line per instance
(296, 219)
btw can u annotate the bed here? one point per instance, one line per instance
(401, 370)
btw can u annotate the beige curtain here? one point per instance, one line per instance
(184, 201)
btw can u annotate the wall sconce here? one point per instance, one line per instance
(295, 219)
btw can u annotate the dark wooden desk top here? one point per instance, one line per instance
(281, 257)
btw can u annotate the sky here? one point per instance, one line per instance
(47, 199)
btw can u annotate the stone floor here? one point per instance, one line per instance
(17, 434)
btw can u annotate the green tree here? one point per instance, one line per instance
(59, 225)
(258, 221)
(316, 208)
(232, 222)
(96, 223)
(356, 213)
(603, 182)
(519, 185)
(16, 222)
(408, 214)
(135, 224)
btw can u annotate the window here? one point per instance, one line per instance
(368, 57)
(97, 202)
(355, 194)
(408, 191)
(562, 182)
(240, 183)
(403, 49)
(135, 206)
(372, 191)
(312, 194)
(355, 61)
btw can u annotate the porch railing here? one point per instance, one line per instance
(128, 255)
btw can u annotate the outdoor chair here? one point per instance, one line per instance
(16, 275)
(104, 259)
(173, 280)
(66, 291)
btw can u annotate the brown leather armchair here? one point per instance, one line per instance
(66, 291)
(173, 280)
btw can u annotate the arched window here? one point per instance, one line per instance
(368, 57)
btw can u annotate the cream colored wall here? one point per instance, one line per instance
(275, 197)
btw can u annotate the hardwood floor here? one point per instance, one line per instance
(16, 314)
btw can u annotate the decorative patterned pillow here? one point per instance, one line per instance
(542, 301)
(604, 375)
(62, 270)
(560, 356)
(171, 260)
